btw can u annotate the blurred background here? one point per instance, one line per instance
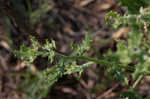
(65, 21)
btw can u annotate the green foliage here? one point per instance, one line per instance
(133, 20)
(134, 50)
(132, 54)
(27, 53)
(134, 5)
(40, 85)
(114, 15)
(115, 70)
(131, 94)
(80, 49)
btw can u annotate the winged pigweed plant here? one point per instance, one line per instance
(134, 50)
(132, 54)
(67, 65)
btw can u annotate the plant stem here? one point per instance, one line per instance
(29, 6)
(137, 81)
(105, 63)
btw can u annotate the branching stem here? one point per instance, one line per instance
(105, 63)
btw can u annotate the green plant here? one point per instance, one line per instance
(132, 54)
(66, 66)
(135, 49)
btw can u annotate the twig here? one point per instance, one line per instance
(107, 92)
(137, 81)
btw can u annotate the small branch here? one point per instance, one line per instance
(137, 81)
(108, 92)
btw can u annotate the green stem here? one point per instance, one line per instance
(105, 63)
(29, 6)
(137, 81)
